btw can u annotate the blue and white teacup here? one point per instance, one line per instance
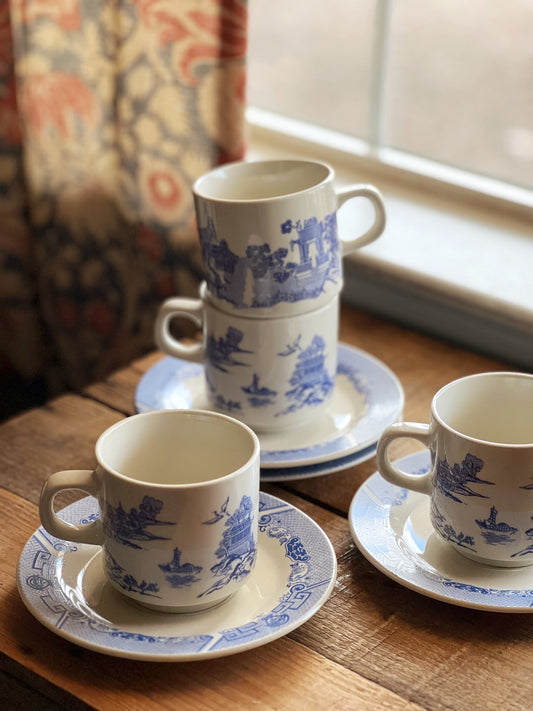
(269, 238)
(178, 492)
(481, 479)
(270, 373)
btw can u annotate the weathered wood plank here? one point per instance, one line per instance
(60, 435)
(282, 675)
(438, 655)
(374, 645)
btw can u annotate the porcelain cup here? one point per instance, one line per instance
(178, 492)
(269, 373)
(268, 234)
(481, 480)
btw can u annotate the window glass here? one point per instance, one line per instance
(459, 75)
(312, 60)
(460, 84)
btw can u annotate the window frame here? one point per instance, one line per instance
(501, 328)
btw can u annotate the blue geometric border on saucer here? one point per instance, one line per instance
(367, 398)
(63, 585)
(392, 529)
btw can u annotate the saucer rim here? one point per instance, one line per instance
(310, 471)
(452, 594)
(307, 456)
(320, 590)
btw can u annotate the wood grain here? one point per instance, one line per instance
(257, 678)
(373, 645)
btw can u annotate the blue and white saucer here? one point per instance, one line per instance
(63, 585)
(367, 398)
(392, 529)
(311, 470)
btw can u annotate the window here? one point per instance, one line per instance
(446, 80)
(433, 103)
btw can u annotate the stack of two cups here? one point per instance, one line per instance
(269, 306)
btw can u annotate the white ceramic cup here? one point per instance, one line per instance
(269, 373)
(481, 479)
(178, 492)
(268, 233)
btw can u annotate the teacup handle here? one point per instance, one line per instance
(416, 482)
(192, 309)
(375, 197)
(84, 479)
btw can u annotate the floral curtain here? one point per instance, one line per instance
(109, 110)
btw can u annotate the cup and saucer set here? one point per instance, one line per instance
(268, 311)
(176, 554)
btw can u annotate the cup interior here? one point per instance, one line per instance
(492, 407)
(172, 447)
(261, 180)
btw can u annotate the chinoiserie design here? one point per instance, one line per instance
(179, 574)
(528, 550)
(126, 581)
(131, 527)
(448, 532)
(455, 482)
(261, 277)
(311, 383)
(221, 351)
(281, 598)
(494, 531)
(308, 385)
(237, 551)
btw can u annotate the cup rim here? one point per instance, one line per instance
(254, 456)
(485, 375)
(200, 191)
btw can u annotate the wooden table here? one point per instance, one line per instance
(373, 645)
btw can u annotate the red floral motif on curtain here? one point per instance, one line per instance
(109, 110)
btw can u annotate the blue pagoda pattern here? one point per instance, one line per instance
(178, 574)
(309, 385)
(262, 278)
(237, 551)
(310, 381)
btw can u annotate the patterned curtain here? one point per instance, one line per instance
(109, 110)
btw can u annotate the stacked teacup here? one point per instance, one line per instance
(269, 306)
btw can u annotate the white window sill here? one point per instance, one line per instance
(460, 271)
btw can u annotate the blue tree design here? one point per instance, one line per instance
(220, 351)
(127, 527)
(454, 481)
